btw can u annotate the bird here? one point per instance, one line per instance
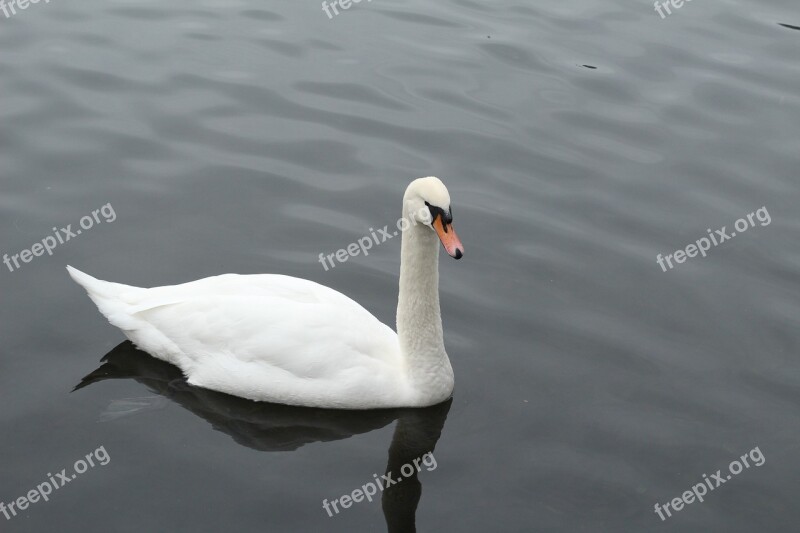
(286, 340)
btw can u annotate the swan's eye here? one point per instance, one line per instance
(447, 217)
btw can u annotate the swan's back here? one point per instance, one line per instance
(263, 337)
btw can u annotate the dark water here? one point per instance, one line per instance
(579, 140)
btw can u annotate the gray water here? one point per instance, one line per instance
(579, 140)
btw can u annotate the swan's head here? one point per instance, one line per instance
(427, 202)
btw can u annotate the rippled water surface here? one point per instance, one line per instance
(579, 140)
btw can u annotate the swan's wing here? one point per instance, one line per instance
(266, 337)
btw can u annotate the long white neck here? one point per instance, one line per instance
(419, 320)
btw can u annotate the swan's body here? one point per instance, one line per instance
(263, 337)
(292, 341)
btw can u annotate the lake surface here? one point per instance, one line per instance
(579, 140)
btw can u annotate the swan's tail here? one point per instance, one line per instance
(110, 298)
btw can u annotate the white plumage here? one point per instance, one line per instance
(288, 340)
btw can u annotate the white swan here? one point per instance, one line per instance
(288, 340)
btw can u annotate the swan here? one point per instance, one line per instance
(281, 339)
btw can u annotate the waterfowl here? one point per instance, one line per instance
(281, 339)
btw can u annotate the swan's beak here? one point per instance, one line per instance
(450, 241)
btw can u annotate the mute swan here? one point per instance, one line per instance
(288, 340)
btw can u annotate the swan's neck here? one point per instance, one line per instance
(419, 321)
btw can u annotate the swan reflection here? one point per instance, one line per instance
(273, 427)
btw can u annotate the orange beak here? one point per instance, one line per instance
(450, 241)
